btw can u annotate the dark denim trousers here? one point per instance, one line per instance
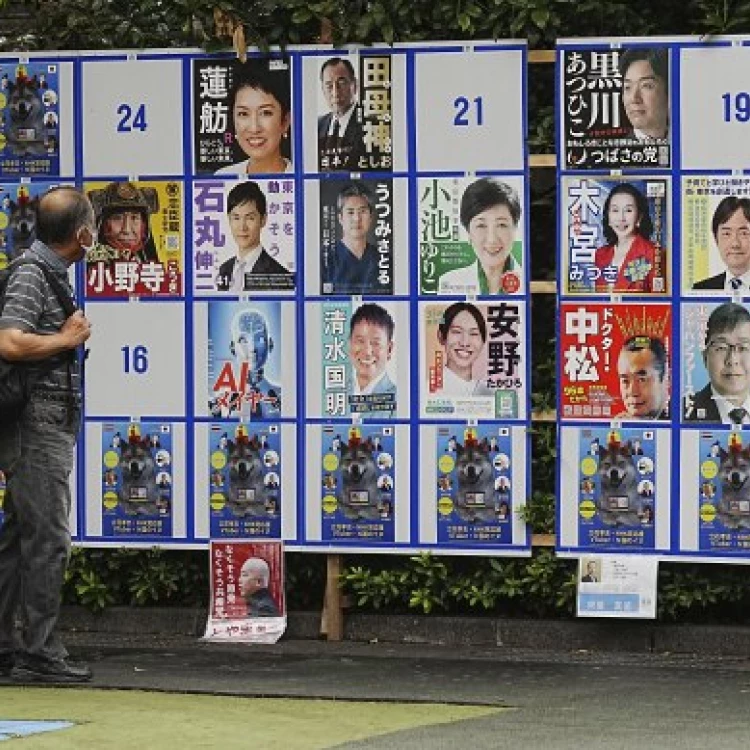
(37, 455)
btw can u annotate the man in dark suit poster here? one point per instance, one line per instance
(252, 268)
(731, 229)
(340, 141)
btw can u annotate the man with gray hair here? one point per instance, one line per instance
(37, 449)
(254, 578)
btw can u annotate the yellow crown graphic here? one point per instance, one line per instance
(642, 324)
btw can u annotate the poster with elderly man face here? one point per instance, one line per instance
(140, 239)
(247, 592)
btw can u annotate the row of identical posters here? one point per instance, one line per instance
(654, 297)
(309, 294)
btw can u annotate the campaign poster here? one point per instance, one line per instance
(136, 479)
(356, 236)
(247, 592)
(244, 360)
(622, 586)
(720, 492)
(243, 236)
(473, 360)
(617, 488)
(358, 360)
(615, 110)
(242, 116)
(617, 235)
(471, 235)
(245, 474)
(474, 484)
(140, 241)
(715, 362)
(716, 235)
(358, 480)
(615, 360)
(29, 118)
(355, 114)
(18, 203)
(3, 487)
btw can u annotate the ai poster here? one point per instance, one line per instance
(471, 235)
(245, 477)
(243, 236)
(615, 360)
(247, 592)
(604, 122)
(136, 479)
(244, 359)
(473, 360)
(474, 476)
(30, 110)
(139, 252)
(358, 481)
(602, 215)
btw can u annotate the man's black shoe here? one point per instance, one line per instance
(50, 671)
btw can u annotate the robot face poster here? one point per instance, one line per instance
(474, 484)
(244, 359)
(137, 477)
(245, 475)
(140, 239)
(617, 497)
(358, 481)
(30, 118)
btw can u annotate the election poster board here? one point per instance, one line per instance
(276, 242)
(654, 248)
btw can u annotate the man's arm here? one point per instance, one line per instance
(20, 346)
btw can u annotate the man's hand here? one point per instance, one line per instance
(76, 329)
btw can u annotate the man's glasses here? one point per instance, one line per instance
(721, 348)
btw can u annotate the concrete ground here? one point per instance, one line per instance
(577, 699)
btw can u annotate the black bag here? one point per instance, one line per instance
(16, 378)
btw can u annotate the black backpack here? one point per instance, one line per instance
(16, 378)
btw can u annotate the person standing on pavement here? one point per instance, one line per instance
(37, 450)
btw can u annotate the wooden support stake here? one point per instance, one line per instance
(332, 619)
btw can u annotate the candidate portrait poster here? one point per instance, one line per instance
(715, 234)
(357, 236)
(615, 107)
(471, 235)
(18, 205)
(229, 137)
(616, 234)
(473, 360)
(358, 483)
(474, 472)
(247, 592)
(31, 107)
(139, 249)
(614, 360)
(355, 113)
(137, 477)
(244, 359)
(715, 492)
(244, 236)
(715, 359)
(245, 470)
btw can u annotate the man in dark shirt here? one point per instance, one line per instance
(37, 450)
(351, 265)
(254, 577)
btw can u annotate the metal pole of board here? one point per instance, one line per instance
(332, 619)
